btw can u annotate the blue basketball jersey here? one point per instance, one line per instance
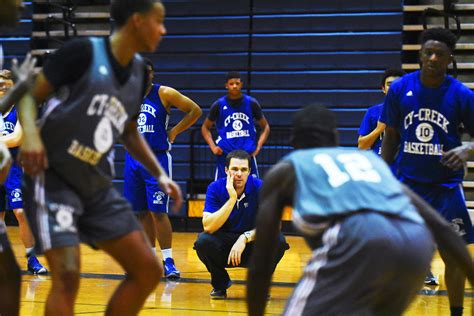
(428, 121)
(235, 126)
(153, 121)
(332, 182)
(10, 119)
(369, 123)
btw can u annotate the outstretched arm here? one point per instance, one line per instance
(446, 238)
(184, 104)
(276, 192)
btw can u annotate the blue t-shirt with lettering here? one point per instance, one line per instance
(428, 120)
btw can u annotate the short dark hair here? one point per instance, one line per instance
(391, 72)
(441, 35)
(314, 126)
(232, 75)
(238, 154)
(148, 63)
(121, 10)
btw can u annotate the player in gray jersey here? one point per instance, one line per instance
(69, 195)
(369, 234)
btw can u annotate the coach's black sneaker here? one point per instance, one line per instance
(218, 294)
(35, 267)
(430, 279)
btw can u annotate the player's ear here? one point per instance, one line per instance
(226, 171)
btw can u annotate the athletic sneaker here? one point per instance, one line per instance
(170, 269)
(35, 267)
(430, 279)
(220, 294)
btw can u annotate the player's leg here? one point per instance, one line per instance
(158, 204)
(10, 277)
(64, 264)
(254, 167)
(143, 272)
(220, 166)
(109, 223)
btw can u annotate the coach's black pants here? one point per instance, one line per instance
(213, 250)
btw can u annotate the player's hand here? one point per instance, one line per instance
(32, 155)
(230, 186)
(456, 158)
(216, 150)
(172, 189)
(25, 73)
(235, 254)
(256, 152)
(171, 136)
(5, 162)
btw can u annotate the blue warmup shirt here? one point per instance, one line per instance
(153, 121)
(235, 126)
(242, 218)
(10, 119)
(369, 123)
(428, 121)
(333, 182)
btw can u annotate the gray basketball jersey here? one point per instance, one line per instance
(80, 131)
(333, 182)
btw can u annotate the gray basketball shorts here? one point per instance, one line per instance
(59, 217)
(366, 264)
(4, 242)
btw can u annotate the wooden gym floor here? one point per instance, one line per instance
(190, 295)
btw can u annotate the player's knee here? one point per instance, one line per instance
(66, 280)
(204, 243)
(149, 274)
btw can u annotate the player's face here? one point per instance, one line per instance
(388, 82)
(5, 85)
(234, 86)
(240, 169)
(151, 27)
(10, 12)
(435, 57)
(151, 75)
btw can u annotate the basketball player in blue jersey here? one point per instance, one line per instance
(11, 137)
(69, 196)
(10, 273)
(371, 129)
(234, 116)
(141, 188)
(371, 247)
(423, 112)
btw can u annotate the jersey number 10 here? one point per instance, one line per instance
(356, 168)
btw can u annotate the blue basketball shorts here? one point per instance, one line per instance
(141, 189)
(12, 185)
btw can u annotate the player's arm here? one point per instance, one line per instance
(24, 78)
(366, 141)
(14, 139)
(207, 135)
(211, 222)
(276, 192)
(139, 149)
(390, 143)
(32, 152)
(184, 104)
(446, 238)
(265, 128)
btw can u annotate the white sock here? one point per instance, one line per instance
(167, 253)
(29, 251)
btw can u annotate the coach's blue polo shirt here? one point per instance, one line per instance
(242, 217)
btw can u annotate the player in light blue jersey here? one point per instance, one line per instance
(369, 234)
(371, 129)
(234, 116)
(141, 188)
(11, 137)
(423, 112)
